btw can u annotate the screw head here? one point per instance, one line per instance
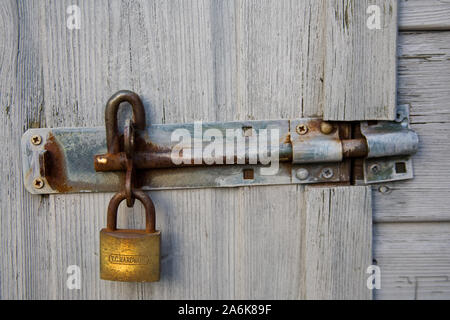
(384, 189)
(38, 183)
(301, 129)
(36, 139)
(326, 127)
(302, 174)
(327, 173)
(375, 168)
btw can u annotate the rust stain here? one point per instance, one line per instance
(56, 174)
(147, 155)
(110, 162)
(145, 145)
(314, 125)
(354, 148)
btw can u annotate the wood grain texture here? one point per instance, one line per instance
(360, 64)
(338, 235)
(424, 15)
(23, 218)
(189, 60)
(424, 83)
(414, 259)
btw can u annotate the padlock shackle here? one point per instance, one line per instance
(112, 135)
(150, 216)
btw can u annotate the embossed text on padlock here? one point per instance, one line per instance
(130, 255)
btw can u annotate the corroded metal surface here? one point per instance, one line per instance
(74, 149)
(390, 146)
(154, 146)
(388, 169)
(112, 134)
(314, 146)
(68, 163)
(77, 160)
(386, 138)
(354, 148)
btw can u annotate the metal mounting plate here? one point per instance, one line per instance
(64, 160)
(384, 138)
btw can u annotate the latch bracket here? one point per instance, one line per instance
(390, 146)
(308, 150)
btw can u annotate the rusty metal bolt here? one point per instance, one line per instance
(38, 183)
(327, 173)
(36, 139)
(302, 174)
(375, 168)
(301, 129)
(326, 127)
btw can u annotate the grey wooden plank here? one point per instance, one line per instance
(338, 233)
(424, 15)
(423, 59)
(424, 77)
(280, 58)
(414, 259)
(269, 230)
(360, 62)
(23, 218)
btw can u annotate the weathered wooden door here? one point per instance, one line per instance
(194, 60)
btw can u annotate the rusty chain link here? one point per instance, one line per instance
(129, 134)
(112, 136)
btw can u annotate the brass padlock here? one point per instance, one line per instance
(130, 255)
